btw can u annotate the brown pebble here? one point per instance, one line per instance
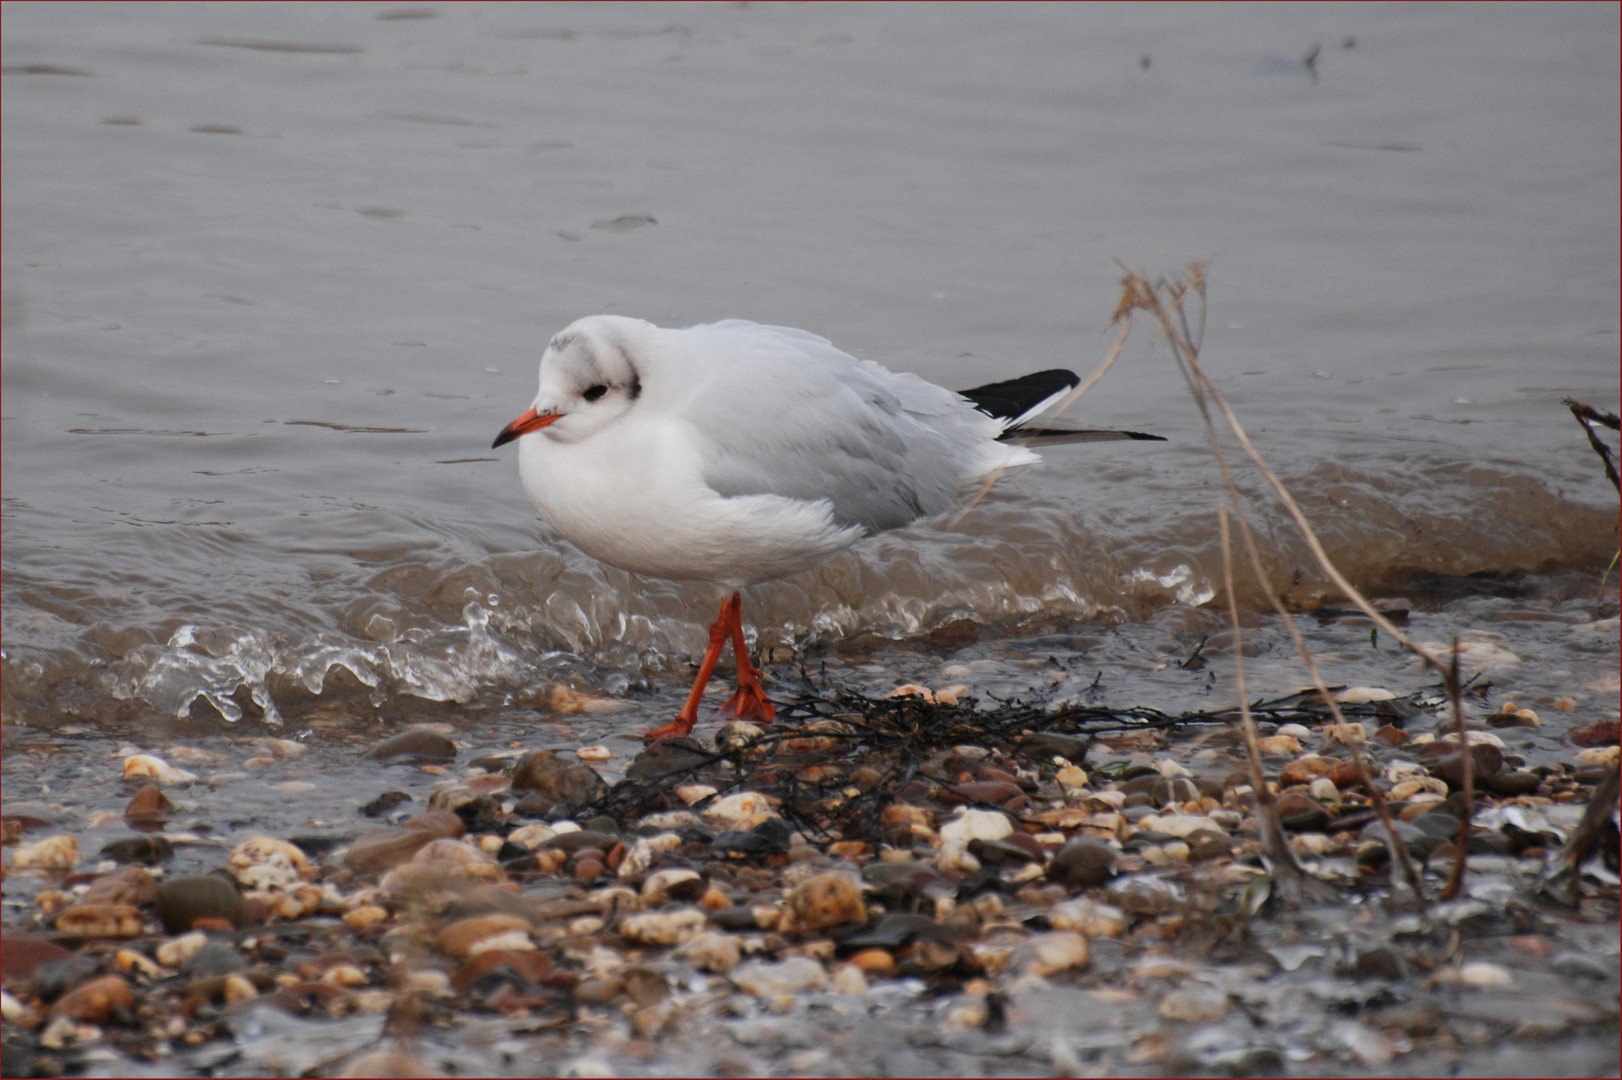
(97, 1001)
(1450, 770)
(439, 823)
(833, 898)
(415, 744)
(874, 962)
(1346, 775)
(100, 921)
(381, 849)
(563, 784)
(460, 937)
(903, 814)
(991, 792)
(1083, 863)
(1205, 845)
(20, 955)
(854, 850)
(597, 991)
(588, 869)
(1028, 844)
(129, 885)
(1303, 770)
(528, 964)
(1293, 802)
(1302, 813)
(367, 915)
(1599, 733)
(1510, 784)
(1391, 735)
(149, 805)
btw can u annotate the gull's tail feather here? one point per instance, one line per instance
(1049, 436)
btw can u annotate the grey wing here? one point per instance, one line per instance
(784, 412)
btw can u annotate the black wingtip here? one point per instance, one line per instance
(1013, 398)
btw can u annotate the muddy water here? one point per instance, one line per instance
(274, 275)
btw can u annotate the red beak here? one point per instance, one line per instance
(530, 421)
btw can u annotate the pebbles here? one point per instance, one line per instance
(265, 863)
(100, 921)
(1051, 953)
(827, 900)
(971, 886)
(479, 933)
(773, 979)
(54, 853)
(152, 767)
(663, 927)
(184, 902)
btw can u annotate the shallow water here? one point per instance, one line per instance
(275, 275)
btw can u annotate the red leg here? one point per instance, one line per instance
(749, 703)
(724, 623)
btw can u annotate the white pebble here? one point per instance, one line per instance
(52, 853)
(1089, 917)
(742, 811)
(771, 979)
(152, 767)
(1484, 976)
(1363, 695)
(968, 825)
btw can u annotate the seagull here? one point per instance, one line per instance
(735, 453)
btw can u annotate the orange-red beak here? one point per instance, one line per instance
(530, 421)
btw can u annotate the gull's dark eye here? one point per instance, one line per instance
(592, 393)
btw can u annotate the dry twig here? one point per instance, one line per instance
(1292, 882)
(1588, 416)
(1138, 293)
(1455, 880)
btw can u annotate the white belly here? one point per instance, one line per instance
(635, 498)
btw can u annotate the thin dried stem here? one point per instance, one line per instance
(1455, 880)
(1137, 293)
(1058, 410)
(1291, 880)
(1401, 863)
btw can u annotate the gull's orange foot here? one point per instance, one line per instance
(749, 703)
(673, 730)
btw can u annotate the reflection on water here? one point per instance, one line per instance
(249, 381)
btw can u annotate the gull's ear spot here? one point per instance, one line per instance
(595, 391)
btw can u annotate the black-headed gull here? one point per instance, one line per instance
(736, 453)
